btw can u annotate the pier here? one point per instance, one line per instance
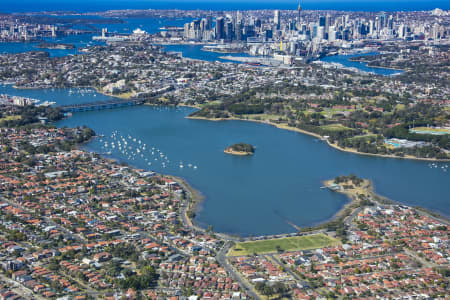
(100, 105)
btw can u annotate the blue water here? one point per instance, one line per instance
(345, 61)
(195, 52)
(259, 194)
(149, 25)
(60, 96)
(100, 5)
(78, 41)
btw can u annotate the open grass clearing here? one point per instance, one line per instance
(363, 137)
(10, 118)
(296, 243)
(335, 127)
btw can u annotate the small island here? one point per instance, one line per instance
(240, 149)
(57, 46)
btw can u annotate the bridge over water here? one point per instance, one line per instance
(100, 105)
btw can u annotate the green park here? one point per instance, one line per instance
(296, 243)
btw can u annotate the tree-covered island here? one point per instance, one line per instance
(240, 149)
(60, 46)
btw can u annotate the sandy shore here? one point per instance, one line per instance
(240, 153)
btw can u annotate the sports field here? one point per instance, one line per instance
(431, 130)
(305, 242)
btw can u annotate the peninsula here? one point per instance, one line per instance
(240, 149)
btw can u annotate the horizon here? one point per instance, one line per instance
(217, 5)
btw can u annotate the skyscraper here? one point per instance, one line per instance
(276, 19)
(327, 22)
(208, 24)
(229, 33)
(238, 31)
(299, 10)
(238, 17)
(220, 30)
(382, 21)
(322, 21)
(390, 22)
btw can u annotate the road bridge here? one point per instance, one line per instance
(100, 105)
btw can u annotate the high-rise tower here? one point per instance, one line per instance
(220, 28)
(276, 19)
(299, 10)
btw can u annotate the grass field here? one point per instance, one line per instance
(211, 103)
(427, 130)
(335, 127)
(365, 137)
(286, 244)
(125, 95)
(262, 117)
(9, 118)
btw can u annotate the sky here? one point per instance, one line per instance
(96, 5)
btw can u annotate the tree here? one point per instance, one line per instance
(146, 280)
(267, 291)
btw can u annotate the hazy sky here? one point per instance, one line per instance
(98, 5)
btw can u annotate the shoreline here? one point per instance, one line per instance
(191, 204)
(386, 68)
(368, 190)
(352, 201)
(192, 201)
(335, 146)
(376, 67)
